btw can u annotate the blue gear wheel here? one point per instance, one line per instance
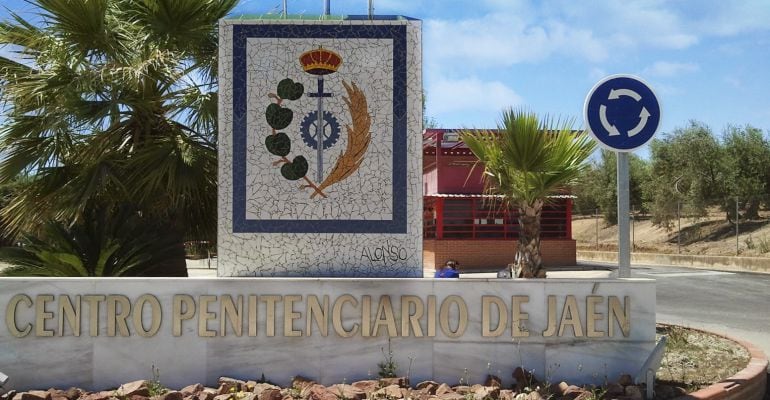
(331, 130)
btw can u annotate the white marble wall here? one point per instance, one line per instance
(370, 223)
(102, 362)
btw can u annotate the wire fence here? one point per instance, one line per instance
(710, 227)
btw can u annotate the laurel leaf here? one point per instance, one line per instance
(359, 137)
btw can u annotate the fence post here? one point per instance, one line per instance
(679, 226)
(737, 249)
(597, 229)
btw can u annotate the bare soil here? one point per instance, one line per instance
(694, 360)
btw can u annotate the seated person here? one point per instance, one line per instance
(449, 270)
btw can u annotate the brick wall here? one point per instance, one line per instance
(491, 254)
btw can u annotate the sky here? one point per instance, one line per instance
(707, 60)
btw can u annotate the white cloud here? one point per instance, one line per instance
(667, 69)
(469, 94)
(499, 40)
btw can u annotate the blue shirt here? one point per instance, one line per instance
(447, 272)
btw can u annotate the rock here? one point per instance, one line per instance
(318, 392)
(451, 396)
(206, 394)
(614, 389)
(493, 380)
(534, 396)
(34, 395)
(138, 388)
(300, 382)
(391, 391)
(486, 392)
(73, 393)
(230, 385)
(171, 395)
(368, 386)
(574, 392)
(401, 382)
(261, 387)
(57, 394)
(462, 389)
(506, 394)
(249, 386)
(98, 395)
(625, 380)
(443, 389)
(137, 397)
(428, 386)
(9, 395)
(349, 392)
(222, 397)
(192, 389)
(271, 393)
(634, 393)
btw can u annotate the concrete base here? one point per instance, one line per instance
(196, 330)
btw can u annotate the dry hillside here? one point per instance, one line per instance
(712, 236)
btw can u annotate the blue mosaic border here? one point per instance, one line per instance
(240, 35)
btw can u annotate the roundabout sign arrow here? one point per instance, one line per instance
(622, 112)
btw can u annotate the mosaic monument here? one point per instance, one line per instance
(320, 148)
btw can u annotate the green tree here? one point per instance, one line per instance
(747, 160)
(599, 183)
(687, 170)
(113, 102)
(526, 160)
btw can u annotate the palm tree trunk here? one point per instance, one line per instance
(528, 262)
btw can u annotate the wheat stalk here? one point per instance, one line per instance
(358, 138)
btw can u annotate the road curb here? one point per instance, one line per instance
(749, 383)
(720, 263)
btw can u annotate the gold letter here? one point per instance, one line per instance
(156, 315)
(519, 329)
(385, 317)
(41, 315)
(180, 314)
(10, 315)
(289, 315)
(71, 313)
(252, 315)
(205, 315)
(551, 329)
(270, 301)
(230, 311)
(366, 316)
(407, 318)
(462, 322)
(115, 318)
(592, 316)
(337, 316)
(622, 315)
(318, 313)
(486, 316)
(571, 307)
(431, 316)
(93, 312)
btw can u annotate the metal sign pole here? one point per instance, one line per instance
(624, 249)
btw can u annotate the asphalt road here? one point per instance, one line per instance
(737, 304)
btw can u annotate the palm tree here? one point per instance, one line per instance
(526, 160)
(107, 244)
(108, 103)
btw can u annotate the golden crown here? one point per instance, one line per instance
(320, 61)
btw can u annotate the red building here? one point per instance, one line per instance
(461, 223)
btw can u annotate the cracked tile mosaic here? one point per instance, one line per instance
(320, 148)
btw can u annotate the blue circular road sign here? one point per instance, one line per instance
(622, 112)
